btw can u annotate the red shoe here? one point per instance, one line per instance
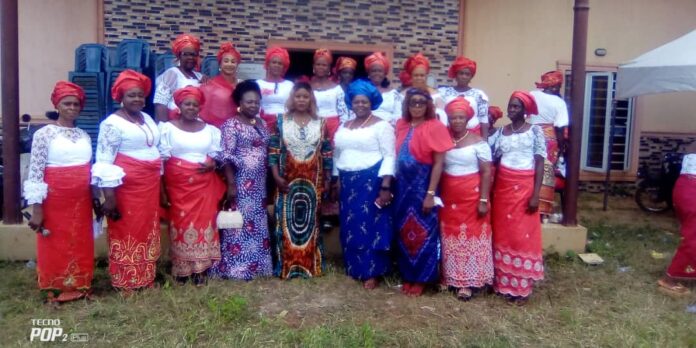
(370, 283)
(417, 289)
(406, 288)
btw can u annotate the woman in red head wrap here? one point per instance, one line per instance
(344, 71)
(552, 117)
(421, 143)
(275, 89)
(415, 73)
(127, 169)
(331, 107)
(467, 258)
(189, 148)
(219, 105)
(377, 66)
(462, 71)
(59, 178)
(187, 49)
(520, 150)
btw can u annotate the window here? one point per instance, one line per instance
(599, 95)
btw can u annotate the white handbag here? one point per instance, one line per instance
(229, 219)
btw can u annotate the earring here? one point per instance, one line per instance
(219, 69)
(239, 109)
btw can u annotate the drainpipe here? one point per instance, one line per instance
(577, 92)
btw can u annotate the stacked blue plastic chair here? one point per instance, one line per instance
(90, 61)
(210, 66)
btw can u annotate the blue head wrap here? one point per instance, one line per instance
(366, 88)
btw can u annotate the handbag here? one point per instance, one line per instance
(229, 219)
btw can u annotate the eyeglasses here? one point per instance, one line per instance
(417, 103)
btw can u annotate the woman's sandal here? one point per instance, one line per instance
(672, 288)
(464, 294)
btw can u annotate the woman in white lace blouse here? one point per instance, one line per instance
(58, 178)
(128, 169)
(364, 166)
(186, 48)
(520, 150)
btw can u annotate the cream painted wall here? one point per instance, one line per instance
(514, 42)
(49, 32)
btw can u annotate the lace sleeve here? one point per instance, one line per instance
(164, 146)
(341, 107)
(386, 137)
(482, 104)
(35, 189)
(165, 85)
(104, 172)
(215, 151)
(398, 104)
(483, 151)
(539, 141)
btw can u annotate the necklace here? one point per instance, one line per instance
(456, 141)
(302, 124)
(149, 142)
(414, 125)
(364, 122)
(518, 130)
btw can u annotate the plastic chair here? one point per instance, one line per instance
(133, 54)
(91, 58)
(210, 66)
(163, 62)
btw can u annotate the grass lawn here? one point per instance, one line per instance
(615, 304)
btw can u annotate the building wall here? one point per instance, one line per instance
(49, 32)
(409, 25)
(514, 42)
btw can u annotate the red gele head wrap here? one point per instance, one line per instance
(188, 92)
(345, 63)
(377, 58)
(323, 53)
(410, 64)
(185, 40)
(64, 89)
(228, 48)
(530, 106)
(277, 52)
(550, 79)
(495, 112)
(461, 63)
(129, 79)
(459, 104)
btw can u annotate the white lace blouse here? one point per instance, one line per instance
(117, 135)
(274, 95)
(171, 80)
(465, 160)
(361, 148)
(479, 98)
(190, 146)
(331, 102)
(54, 146)
(688, 164)
(517, 150)
(390, 109)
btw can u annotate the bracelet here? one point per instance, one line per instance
(483, 200)
(431, 192)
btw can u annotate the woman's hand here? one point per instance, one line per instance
(109, 207)
(384, 198)
(282, 184)
(164, 200)
(231, 195)
(37, 218)
(482, 209)
(207, 166)
(533, 205)
(428, 204)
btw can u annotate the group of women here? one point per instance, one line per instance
(411, 170)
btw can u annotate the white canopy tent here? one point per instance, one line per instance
(668, 68)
